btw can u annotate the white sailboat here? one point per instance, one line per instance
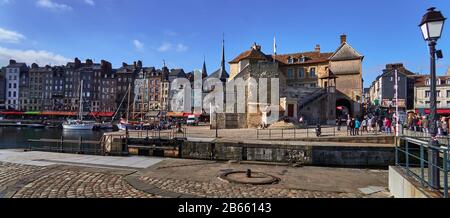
(79, 124)
(123, 123)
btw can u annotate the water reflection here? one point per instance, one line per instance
(12, 137)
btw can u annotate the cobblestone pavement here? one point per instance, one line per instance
(65, 182)
(227, 190)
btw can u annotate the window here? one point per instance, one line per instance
(448, 93)
(428, 82)
(438, 93)
(427, 94)
(312, 72)
(302, 59)
(301, 73)
(290, 73)
(290, 60)
(427, 102)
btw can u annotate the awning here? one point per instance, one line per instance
(439, 111)
(190, 114)
(59, 113)
(32, 113)
(175, 114)
(152, 114)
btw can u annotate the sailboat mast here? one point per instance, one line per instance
(129, 99)
(80, 113)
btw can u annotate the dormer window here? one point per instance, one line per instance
(448, 82)
(438, 82)
(428, 82)
(290, 60)
(302, 59)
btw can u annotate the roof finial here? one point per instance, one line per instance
(223, 53)
(164, 63)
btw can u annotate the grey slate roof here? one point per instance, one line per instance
(345, 52)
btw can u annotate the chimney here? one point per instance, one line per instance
(448, 71)
(135, 65)
(89, 62)
(343, 39)
(317, 48)
(139, 64)
(124, 64)
(12, 61)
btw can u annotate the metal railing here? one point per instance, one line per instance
(411, 155)
(306, 132)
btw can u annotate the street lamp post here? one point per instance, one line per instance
(431, 25)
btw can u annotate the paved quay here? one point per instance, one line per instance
(178, 177)
(52, 175)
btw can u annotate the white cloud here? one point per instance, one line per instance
(90, 2)
(40, 57)
(9, 36)
(181, 48)
(138, 45)
(165, 47)
(49, 4)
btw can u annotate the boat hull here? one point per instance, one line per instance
(84, 126)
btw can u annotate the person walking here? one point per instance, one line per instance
(388, 125)
(444, 126)
(352, 126)
(364, 125)
(349, 129)
(425, 124)
(357, 126)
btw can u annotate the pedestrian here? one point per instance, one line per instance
(352, 126)
(364, 125)
(425, 124)
(357, 126)
(444, 126)
(380, 124)
(349, 120)
(369, 124)
(388, 125)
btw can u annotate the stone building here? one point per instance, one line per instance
(165, 89)
(2, 88)
(14, 72)
(382, 90)
(147, 89)
(35, 101)
(108, 88)
(422, 94)
(312, 84)
(125, 80)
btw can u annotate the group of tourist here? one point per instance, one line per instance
(368, 124)
(419, 123)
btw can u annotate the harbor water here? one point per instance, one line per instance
(17, 137)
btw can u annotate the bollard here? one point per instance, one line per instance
(249, 173)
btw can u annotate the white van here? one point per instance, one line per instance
(192, 120)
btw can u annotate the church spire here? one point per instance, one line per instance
(204, 73)
(223, 54)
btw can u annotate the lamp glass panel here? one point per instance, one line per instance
(424, 31)
(434, 29)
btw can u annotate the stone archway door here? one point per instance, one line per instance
(343, 108)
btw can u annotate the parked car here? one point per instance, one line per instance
(192, 120)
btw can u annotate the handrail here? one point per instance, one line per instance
(409, 151)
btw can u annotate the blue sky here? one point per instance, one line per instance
(182, 32)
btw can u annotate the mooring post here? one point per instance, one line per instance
(249, 173)
(62, 144)
(80, 149)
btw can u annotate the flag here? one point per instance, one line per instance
(275, 45)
